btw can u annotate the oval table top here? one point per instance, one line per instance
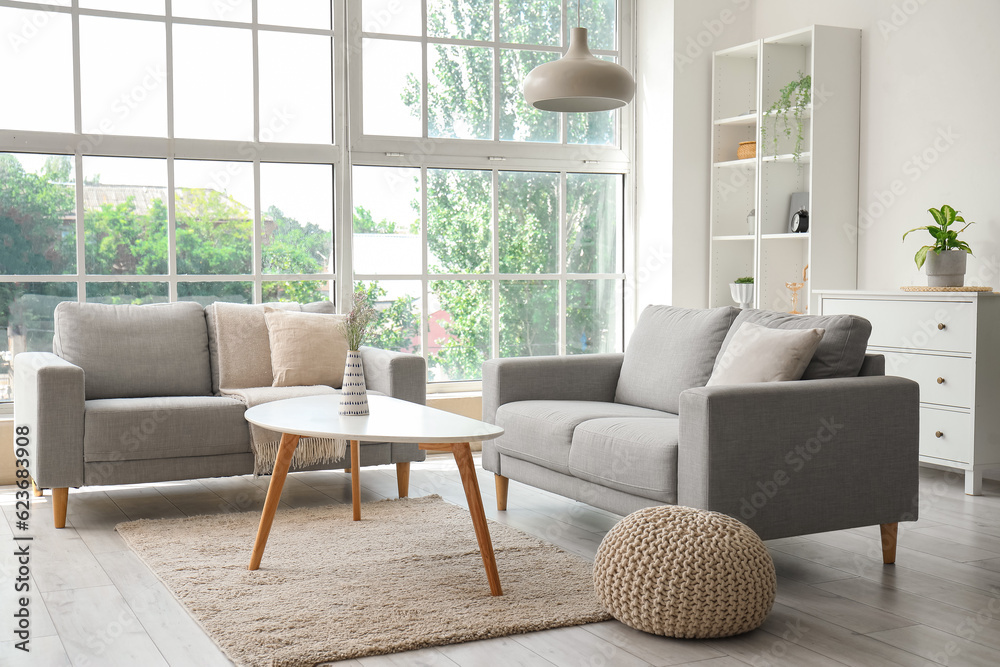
(391, 420)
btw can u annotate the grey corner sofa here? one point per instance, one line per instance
(837, 449)
(134, 394)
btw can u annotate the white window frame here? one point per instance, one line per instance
(493, 156)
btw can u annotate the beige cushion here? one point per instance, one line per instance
(306, 348)
(760, 354)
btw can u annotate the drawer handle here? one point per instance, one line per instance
(941, 326)
(938, 434)
(940, 380)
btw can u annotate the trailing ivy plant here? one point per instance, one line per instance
(795, 96)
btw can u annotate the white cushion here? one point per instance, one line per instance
(760, 354)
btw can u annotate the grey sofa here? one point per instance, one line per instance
(837, 449)
(134, 394)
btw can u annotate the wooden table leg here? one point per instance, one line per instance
(356, 478)
(286, 449)
(467, 469)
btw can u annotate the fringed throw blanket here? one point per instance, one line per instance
(264, 442)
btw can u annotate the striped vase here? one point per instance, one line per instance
(353, 393)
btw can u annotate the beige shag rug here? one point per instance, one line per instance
(407, 576)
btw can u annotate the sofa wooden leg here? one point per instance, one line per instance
(889, 531)
(59, 499)
(403, 478)
(502, 483)
(37, 490)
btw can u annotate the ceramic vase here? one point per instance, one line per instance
(353, 393)
(946, 269)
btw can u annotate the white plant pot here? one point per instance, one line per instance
(946, 269)
(353, 393)
(742, 294)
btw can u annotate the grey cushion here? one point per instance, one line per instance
(134, 351)
(841, 352)
(671, 349)
(637, 456)
(542, 431)
(130, 429)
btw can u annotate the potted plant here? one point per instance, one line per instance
(946, 257)
(795, 96)
(742, 291)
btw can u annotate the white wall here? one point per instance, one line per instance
(675, 41)
(930, 98)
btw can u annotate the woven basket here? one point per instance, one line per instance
(746, 150)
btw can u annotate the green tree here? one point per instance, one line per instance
(364, 223)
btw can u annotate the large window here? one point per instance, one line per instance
(201, 151)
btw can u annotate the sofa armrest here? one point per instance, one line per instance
(591, 377)
(792, 458)
(395, 374)
(49, 400)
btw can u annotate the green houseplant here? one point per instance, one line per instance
(945, 259)
(742, 291)
(795, 96)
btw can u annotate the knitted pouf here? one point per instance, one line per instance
(684, 572)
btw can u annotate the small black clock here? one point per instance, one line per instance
(800, 221)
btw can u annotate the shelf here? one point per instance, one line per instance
(748, 162)
(746, 120)
(785, 236)
(804, 158)
(802, 37)
(741, 51)
(736, 237)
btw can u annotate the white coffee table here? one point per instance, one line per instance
(391, 420)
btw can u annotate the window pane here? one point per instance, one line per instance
(295, 88)
(36, 64)
(391, 81)
(213, 207)
(213, 83)
(538, 22)
(386, 221)
(207, 293)
(128, 293)
(123, 95)
(599, 18)
(391, 16)
(302, 13)
(596, 128)
(37, 215)
(460, 92)
(529, 318)
(239, 10)
(125, 215)
(519, 121)
(460, 19)
(460, 323)
(299, 291)
(593, 316)
(529, 222)
(133, 6)
(398, 325)
(26, 322)
(459, 210)
(297, 218)
(593, 222)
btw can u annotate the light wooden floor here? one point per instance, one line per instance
(837, 604)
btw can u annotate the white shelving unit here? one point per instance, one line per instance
(745, 82)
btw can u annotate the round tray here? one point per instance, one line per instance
(925, 288)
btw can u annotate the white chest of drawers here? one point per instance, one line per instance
(948, 342)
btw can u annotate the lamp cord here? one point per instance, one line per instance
(578, 24)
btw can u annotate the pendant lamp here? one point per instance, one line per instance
(578, 81)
